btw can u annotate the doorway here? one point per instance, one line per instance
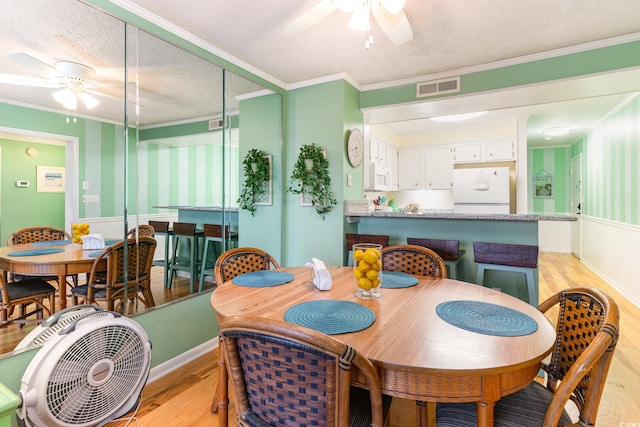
(576, 205)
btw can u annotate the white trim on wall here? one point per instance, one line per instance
(610, 249)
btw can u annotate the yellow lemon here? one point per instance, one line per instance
(377, 266)
(358, 273)
(370, 257)
(357, 255)
(365, 283)
(364, 266)
(376, 283)
(372, 274)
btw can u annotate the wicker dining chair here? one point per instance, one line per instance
(288, 375)
(39, 234)
(233, 263)
(110, 288)
(22, 294)
(587, 333)
(413, 259)
(142, 230)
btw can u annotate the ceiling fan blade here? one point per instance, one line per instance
(42, 68)
(396, 27)
(13, 79)
(311, 17)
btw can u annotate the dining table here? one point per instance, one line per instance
(433, 340)
(51, 258)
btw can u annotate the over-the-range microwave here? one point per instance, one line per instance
(380, 178)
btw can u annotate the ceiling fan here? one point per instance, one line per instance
(75, 82)
(387, 13)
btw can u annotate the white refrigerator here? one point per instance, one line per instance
(481, 190)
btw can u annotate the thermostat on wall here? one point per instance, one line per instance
(22, 183)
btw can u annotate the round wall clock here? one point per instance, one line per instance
(355, 147)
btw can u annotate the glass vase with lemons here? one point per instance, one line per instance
(367, 269)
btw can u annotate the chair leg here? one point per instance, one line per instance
(480, 278)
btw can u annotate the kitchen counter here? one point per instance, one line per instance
(449, 215)
(206, 214)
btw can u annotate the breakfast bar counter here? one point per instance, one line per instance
(521, 229)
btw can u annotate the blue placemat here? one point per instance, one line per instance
(330, 316)
(397, 279)
(262, 278)
(51, 243)
(33, 252)
(110, 242)
(486, 318)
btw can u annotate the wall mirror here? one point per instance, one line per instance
(154, 126)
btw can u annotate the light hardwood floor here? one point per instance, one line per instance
(183, 397)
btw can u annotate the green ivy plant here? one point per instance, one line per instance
(310, 177)
(256, 179)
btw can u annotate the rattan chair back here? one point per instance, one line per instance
(413, 259)
(587, 333)
(284, 374)
(37, 234)
(110, 286)
(142, 230)
(242, 260)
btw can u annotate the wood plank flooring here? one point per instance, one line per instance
(183, 397)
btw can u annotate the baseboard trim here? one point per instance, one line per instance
(182, 359)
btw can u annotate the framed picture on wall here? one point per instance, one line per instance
(543, 185)
(50, 179)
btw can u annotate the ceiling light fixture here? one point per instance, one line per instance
(459, 117)
(68, 98)
(556, 131)
(361, 13)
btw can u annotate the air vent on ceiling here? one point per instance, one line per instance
(438, 87)
(215, 124)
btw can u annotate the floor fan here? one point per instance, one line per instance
(91, 371)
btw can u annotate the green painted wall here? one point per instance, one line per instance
(24, 206)
(557, 163)
(318, 114)
(610, 166)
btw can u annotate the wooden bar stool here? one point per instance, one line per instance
(162, 228)
(449, 251)
(185, 232)
(508, 257)
(352, 239)
(215, 234)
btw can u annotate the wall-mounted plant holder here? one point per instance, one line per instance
(257, 187)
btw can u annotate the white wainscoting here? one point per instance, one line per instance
(611, 250)
(112, 227)
(554, 236)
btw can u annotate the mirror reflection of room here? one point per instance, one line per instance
(123, 154)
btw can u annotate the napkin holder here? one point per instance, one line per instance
(92, 241)
(321, 276)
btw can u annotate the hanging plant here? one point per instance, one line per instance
(311, 178)
(256, 179)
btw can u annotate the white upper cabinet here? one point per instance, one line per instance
(439, 167)
(487, 151)
(411, 168)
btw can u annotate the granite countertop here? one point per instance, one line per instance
(466, 216)
(197, 208)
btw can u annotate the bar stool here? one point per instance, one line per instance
(449, 251)
(214, 234)
(352, 239)
(162, 228)
(185, 232)
(508, 257)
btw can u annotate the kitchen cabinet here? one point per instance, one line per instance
(411, 168)
(487, 151)
(392, 164)
(438, 167)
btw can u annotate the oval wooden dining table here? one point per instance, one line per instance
(419, 356)
(72, 260)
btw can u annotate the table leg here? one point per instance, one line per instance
(223, 389)
(426, 414)
(485, 414)
(62, 290)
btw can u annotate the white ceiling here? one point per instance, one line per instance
(449, 36)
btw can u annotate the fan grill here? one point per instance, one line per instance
(113, 357)
(41, 339)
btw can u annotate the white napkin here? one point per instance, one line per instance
(92, 241)
(321, 278)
